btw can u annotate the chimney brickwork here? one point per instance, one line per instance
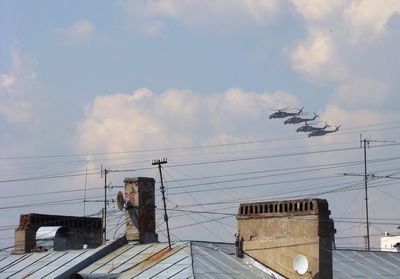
(140, 211)
(83, 230)
(274, 233)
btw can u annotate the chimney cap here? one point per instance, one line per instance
(136, 179)
(277, 208)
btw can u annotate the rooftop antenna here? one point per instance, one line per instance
(106, 171)
(105, 204)
(364, 143)
(159, 162)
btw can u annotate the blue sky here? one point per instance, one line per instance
(81, 78)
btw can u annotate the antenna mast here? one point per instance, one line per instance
(106, 171)
(159, 162)
(105, 204)
(365, 142)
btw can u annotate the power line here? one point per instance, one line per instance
(178, 147)
(202, 163)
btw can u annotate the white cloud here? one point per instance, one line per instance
(314, 10)
(80, 31)
(176, 117)
(213, 15)
(362, 93)
(367, 18)
(15, 106)
(336, 115)
(339, 34)
(316, 57)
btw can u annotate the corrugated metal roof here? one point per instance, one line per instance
(146, 261)
(41, 265)
(217, 260)
(364, 264)
(185, 260)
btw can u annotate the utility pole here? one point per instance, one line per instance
(159, 162)
(105, 172)
(365, 142)
(105, 205)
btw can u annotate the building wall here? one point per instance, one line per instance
(275, 233)
(390, 243)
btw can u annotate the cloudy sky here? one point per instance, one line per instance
(119, 83)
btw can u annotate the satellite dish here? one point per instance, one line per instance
(120, 201)
(300, 264)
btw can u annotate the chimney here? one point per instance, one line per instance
(140, 211)
(77, 231)
(291, 237)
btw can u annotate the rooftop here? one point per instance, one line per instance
(186, 259)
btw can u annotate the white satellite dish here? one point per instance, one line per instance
(300, 264)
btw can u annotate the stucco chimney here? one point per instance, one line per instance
(276, 233)
(140, 211)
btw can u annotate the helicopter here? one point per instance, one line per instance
(308, 128)
(318, 133)
(281, 113)
(296, 120)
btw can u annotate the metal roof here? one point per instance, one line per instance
(145, 261)
(217, 260)
(51, 264)
(364, 264)
(41, 265)
(186, 259)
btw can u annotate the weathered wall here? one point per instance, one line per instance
(275, 233)
(140, 212)
(83, 230)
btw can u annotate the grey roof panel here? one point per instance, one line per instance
(185, 260)
(146, 261)
(41, 265)
(217, 260)
(363, 264)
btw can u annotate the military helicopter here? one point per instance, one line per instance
(281, 113)
(318, 133)
(308, 128)
(297, 120)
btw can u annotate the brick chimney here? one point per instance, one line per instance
(140, 211)
(276, 233)
(82, 230)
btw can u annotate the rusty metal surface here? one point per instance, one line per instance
(146, 261)
(184, 260)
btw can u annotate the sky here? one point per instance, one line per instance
(114, 84)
